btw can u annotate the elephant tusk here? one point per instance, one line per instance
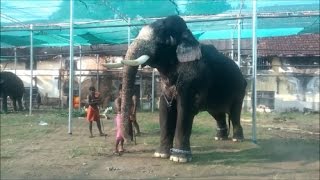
(136, 62)
(112, 65)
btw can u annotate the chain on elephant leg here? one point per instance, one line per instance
(181, 156)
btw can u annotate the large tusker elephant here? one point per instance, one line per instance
(194, 77)
(11, 85)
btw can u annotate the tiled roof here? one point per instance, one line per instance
(288, 46)
(298, 45)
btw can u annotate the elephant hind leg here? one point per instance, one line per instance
(14, 102)
(222, 128)
(235, 114)
(20, 104)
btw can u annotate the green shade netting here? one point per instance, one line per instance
(106, 21)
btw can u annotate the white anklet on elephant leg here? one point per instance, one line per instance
(179, 151)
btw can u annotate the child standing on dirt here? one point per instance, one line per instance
(118, 121)
(119, 135)
(93, 110)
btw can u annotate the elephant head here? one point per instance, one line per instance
(162, 45)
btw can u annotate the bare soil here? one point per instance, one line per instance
(285, 149)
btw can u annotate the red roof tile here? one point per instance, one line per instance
(297, 45)
(290, 46)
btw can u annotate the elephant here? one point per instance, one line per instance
(11, 85)
(194, 77)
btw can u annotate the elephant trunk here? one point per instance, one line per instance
(136, 49)
(128, 81)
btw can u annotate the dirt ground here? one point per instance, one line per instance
(285, 149)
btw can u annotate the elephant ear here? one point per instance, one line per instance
(189, 48)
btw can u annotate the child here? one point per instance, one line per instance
(119, 135)
(132, 113)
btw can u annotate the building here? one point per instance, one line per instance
(287, 72)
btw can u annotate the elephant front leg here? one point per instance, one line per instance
(168, 116)
(182, 151)
(235, 119)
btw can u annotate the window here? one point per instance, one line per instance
(264, 64)
(266, 98)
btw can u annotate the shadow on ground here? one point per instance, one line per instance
(266, 150)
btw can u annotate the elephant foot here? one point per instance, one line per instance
(238, 136)
(181, 156)
(237, 140)
(220, 138)
(222, 134)
(161, 154)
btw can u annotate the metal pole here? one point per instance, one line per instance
(60, 82)
(71, 60)
(254, 69)
(152, 98)
(98, 78)
(239, 43)
(129, 32)
(140, 91)
(232, 45)
(31, 69)
(15, 60)
(80, 56)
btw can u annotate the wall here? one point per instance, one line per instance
(295, 89)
